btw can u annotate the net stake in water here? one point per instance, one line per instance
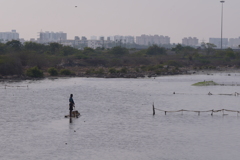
(153, 109)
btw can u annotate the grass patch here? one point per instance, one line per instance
(206, 83)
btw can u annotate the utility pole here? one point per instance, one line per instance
(222, 23)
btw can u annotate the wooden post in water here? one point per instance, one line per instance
(153, 109)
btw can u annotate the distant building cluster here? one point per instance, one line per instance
(190, 41)
(124, 39)
(79, 42)
(217, 42)
(46, 37)
(9, 36)
(150, 40)
(95, 44)
(234, 42)
(117, 40)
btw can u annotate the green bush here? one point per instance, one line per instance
(10, 65)
(152, 68)
(160, 66)
(90, 71)
(230, 54)
(155, 50)
(123, 70)
(53, 71)
(203, 61)
(100, 71)
(66, 72)
(112, 70)
(227, 59)
(119, 50)
(159, 72)
(137, 70)
(34, 72)
(81, 56)
(144, 68)
(173, 63)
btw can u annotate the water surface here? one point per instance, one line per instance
(117, 121)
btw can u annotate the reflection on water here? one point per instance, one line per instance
(116, 119)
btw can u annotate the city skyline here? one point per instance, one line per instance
(144, 40)
(176, 19)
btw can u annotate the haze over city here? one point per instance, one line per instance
(173, 18)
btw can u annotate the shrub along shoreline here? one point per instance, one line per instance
(98, 72)
(101, 72)
(32, 60)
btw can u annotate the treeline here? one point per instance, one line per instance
(21, 59)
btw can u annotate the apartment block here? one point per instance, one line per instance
(150, 40)
(124, 39)
(234, 42)
(95, 44)
(8, 36)
(217, 42)
(93, 38)
(47, 37)
(190, 41)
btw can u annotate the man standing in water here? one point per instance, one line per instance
(71, 104)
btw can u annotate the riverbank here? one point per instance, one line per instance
(105, 73)
(130, 73)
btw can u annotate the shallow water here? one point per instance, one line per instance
(116, 119)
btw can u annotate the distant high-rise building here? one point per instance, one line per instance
(8, 36)
(190, 41)
(234, 42)
(118, 38)
(84, 38)
(93, 37)
(129, 39)
(94, 44)
(151, 40)
(76, 38)
(217, 42)
(124, 39)
(108, 38)
(101, 38)
(84, 41)
(46, 37)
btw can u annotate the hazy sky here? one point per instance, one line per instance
(174, 18)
